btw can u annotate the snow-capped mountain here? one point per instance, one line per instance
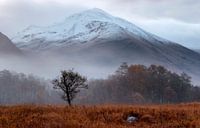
(7, 47)
(81, 27)
(96, 36)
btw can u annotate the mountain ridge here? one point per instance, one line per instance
(83, 27)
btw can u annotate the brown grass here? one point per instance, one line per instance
(105, 116)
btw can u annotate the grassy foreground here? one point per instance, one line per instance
(105, 116)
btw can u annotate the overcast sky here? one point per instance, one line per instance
(176, 20)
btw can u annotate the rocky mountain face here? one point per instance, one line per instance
(94, 36)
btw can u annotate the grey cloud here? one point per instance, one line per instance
(20, 14)
(185, 10)
(186, 34)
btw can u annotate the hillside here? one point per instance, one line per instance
(7, 47)
(197, 50)
(105, 116)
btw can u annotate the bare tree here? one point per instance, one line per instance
(70, 83)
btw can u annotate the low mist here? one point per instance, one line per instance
(49, 66)
(27, 79)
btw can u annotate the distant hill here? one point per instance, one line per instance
(7, 47)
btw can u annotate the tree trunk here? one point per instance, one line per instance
(69, 101)
(68, 98)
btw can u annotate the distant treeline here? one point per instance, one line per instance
(141, 84)
(130, 84)
(18, 88)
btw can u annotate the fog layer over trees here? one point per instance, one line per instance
(130, 84)
(18, 88)
(141, 84)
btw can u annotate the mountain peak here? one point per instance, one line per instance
(96, 10)
(83, 27)
(91, 14)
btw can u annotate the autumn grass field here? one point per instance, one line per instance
(103, 116)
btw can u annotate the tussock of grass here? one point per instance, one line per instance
(105, 116)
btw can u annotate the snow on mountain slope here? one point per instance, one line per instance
(81, 27)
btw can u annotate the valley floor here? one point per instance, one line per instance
(103, 116)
